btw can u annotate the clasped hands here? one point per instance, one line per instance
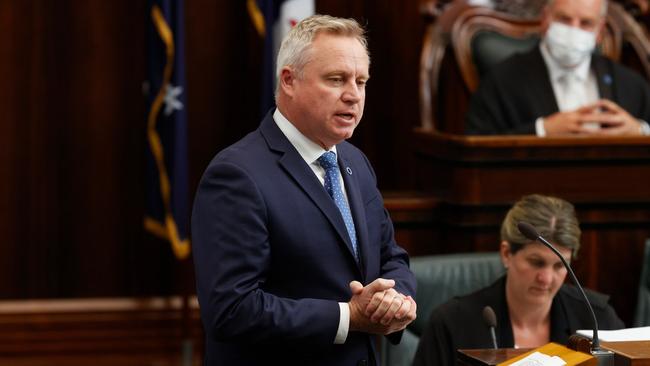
(612, 119)
(378, 309)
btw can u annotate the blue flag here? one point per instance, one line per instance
(167, 214)
(263, 14)
(272, 20)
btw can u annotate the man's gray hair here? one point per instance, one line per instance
(603, 6)
(554, 218)
(296, 44)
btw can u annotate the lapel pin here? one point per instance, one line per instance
(349, 170)
(607, 79)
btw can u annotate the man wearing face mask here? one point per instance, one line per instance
(562, 87)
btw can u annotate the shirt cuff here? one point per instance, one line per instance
(645, 128)
(344, 323)
(539, 127)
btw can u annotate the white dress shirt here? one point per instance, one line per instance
(573, 88)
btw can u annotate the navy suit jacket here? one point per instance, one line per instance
(518, 91)
(273, 257)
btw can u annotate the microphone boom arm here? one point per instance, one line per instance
(595, 342)
(603, 357)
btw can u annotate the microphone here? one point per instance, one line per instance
(604, 357)
(491, 321)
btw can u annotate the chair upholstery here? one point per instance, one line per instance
(439, 278)
(642, 316)
(480, 37)
(491, 48)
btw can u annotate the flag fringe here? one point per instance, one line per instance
(256, 17)
(181, 247)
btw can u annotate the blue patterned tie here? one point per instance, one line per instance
(333, 187)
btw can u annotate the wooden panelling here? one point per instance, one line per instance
(109, 331)
(414, 219)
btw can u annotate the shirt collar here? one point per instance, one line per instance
(555, 71)
(308, 150)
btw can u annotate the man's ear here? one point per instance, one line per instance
(600, 30)
(287, 80)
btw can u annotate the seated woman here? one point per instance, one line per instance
(533, 306)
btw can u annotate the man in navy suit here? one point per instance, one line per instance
(295, 257)
(561, 87)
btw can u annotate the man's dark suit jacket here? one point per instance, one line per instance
(518, 91)
(459, 324)
(273, 257)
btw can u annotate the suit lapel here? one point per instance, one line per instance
(356, 205)
(603, 77)
(302, 174)
(543, 94)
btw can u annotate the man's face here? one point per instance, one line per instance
(583, 14)
(327, 99)
(535, 273)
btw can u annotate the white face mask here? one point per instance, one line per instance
(569, 46)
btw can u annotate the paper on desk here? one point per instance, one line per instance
(628, 334)
(539, 359)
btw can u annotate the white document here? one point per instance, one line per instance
(621, 335)
(539, 359)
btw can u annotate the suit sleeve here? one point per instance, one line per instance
(490, 113)
(645, 114)
(642, 92)
(232, 256)
(395, 265)
(394, 261)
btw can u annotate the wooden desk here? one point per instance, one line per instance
(630, 353)
(627, 354)
(477, 178)
(489, 357)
